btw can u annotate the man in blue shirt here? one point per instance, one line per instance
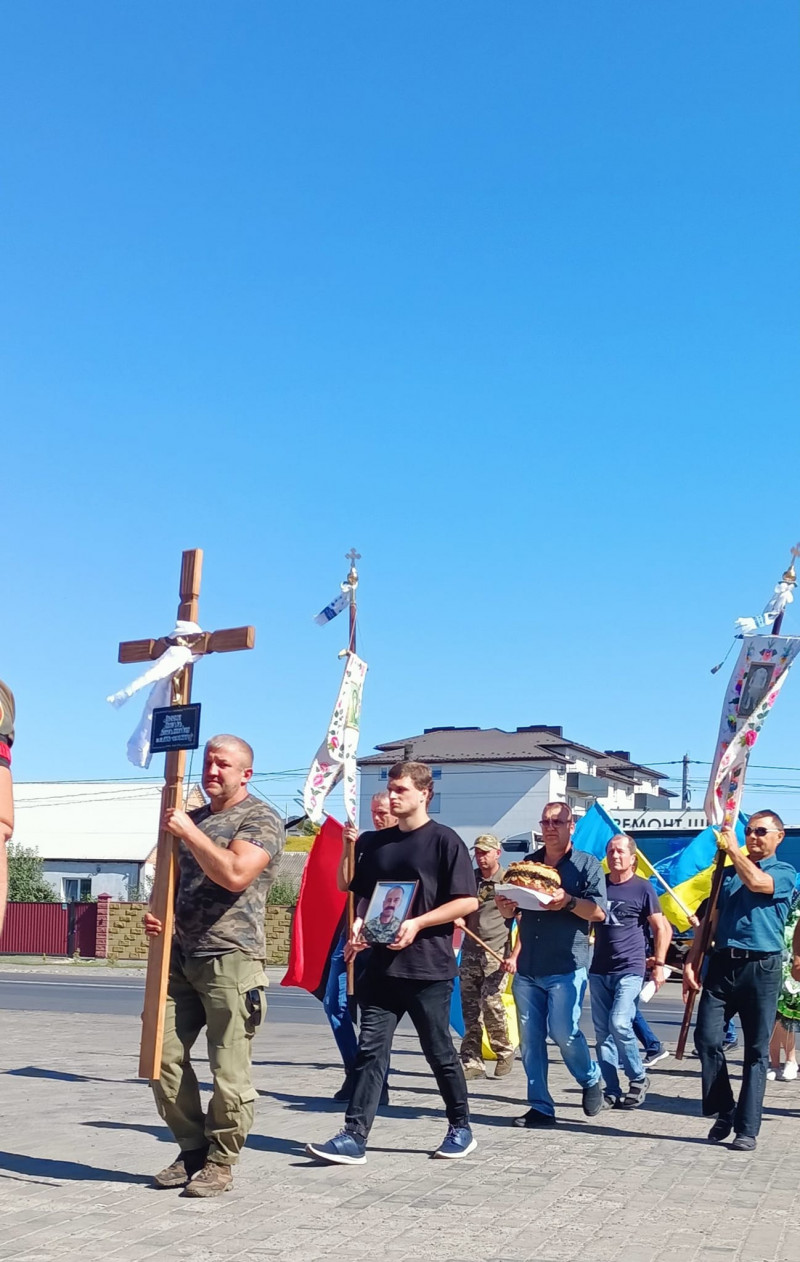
(550, 981)
(744, 975)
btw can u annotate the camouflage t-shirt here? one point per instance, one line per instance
(209, 919)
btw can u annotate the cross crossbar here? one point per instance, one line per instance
(228, 641)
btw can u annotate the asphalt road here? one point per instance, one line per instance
(123, 996)
(52, 992)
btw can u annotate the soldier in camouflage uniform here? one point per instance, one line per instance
(228, 857)
(6, 795)
(383, 929)
(482, 976)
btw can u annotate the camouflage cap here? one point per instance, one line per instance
(6, 715)
(488, 841)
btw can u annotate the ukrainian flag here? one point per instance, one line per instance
(690, 871)
(593, 832)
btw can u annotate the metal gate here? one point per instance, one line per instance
(35, 929)
(82, 929)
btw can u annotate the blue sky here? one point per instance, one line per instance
(503, 294)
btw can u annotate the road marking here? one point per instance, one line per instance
(100, 985)
(20, 981)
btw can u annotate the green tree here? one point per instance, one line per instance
(26, 883)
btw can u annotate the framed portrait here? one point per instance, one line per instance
(388, 907)
(756, 685)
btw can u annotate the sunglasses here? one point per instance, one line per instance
(554, 823)
(759, 832)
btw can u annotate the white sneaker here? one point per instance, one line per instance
(789, 1071)
(772, 1074)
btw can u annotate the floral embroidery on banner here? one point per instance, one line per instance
(757, 678)
(336, 756)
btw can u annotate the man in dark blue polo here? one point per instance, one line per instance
(744, 975)
(550, 981)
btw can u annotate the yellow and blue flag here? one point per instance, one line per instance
(688, 871)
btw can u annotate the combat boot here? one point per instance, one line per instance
(180, 1172)
(212, 1180)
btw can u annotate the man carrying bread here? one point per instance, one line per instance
(550, 980)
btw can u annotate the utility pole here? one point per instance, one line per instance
(686, 792)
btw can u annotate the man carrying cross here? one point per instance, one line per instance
(227, 862)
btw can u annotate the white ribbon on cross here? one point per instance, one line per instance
(159, 679)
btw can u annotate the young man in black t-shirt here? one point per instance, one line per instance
(414, 974)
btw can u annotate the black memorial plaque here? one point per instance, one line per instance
(175, 727)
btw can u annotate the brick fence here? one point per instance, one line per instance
(121, 936)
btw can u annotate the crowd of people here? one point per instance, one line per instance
(604, 932)
(601, 932)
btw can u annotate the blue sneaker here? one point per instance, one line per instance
(457, 1143)
(345, 1149)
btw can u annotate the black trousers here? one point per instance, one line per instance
(750, 989)
(384, 1001)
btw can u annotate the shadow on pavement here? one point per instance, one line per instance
(158, 1132)
(50, 1168)
(300, 1064)
(264, 1143)
(60, 1075)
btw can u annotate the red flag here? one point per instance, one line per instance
(319, 910)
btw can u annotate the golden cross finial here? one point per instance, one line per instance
(790, 575)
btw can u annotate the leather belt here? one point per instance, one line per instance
(739, 953)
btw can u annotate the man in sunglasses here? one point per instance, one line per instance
(744, 975)
(551, 976)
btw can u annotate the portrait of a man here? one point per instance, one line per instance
(755, 687)
(386, 912)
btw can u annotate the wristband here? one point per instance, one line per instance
(659, 963)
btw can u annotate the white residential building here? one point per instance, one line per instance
(487, 780)
(93, 838)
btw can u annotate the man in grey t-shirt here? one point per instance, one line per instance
(227, 861)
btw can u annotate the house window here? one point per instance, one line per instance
(77, 889)
(435, 804)
(384, 773)
(437, 773)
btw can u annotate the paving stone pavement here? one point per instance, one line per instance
(81, 1138)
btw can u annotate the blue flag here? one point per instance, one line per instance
(594, 831)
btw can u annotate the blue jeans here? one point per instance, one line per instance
(613, 1010)
(336, 1010)
(648, 1038)
(552, 1002)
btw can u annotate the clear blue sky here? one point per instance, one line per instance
(506, 295)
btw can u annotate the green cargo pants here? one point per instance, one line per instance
(210, 991)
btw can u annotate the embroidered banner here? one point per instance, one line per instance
(758, 677)
(336, 756)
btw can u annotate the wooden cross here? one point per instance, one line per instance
(162, 902)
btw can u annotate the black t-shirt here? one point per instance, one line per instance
(436, 857)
